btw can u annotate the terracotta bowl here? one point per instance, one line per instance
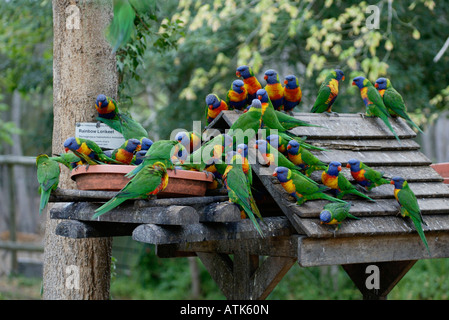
(112, 178)
(442, 169)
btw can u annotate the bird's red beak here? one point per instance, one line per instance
(99, 104)
(265, 77)
(256, 146)
(348, 165)
(66, 150)
(339, 168)
(239, 150)
(275, 174)
(353, 83)
(376, 85)
(343, 78)
(210, 107)
(259, 97)
(289, 147)
(285, 81)
(391, 182)
(237, 73)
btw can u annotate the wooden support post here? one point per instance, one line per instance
(242, 278)
(387, 275)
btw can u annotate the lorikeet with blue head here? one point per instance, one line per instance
(48, 177)
(237, 96)
(215, 105)
(145, 143)
(374, 104)
(151, 180)
(190, 140)
(247, 124)
(300, 187)
(278, 142)
(332, 178)
(328, 93)
(125, 153)
(335, 213)
(88, 151)
(304, 158)
(239, 191)
(409, 205)
(274, 89)
(242, 150)
(292, 93)
(393, 101)
(366, 176)
(110, 114)
(138, 157)
(250, 81)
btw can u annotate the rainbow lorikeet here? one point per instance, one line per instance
(242, 150)
(274, 89)
(88, 150)
(161, 151)
(292, 93)
(328, 92)
(138, 157)
(239, 192)
(190, 140)
(215, 105)
(48, 177)
(237, 96)
(250, 81)
(125, 153)
(409, 205)
(145, 143)
(278, 142)
(393, 101)
(151, 180)
(300, 187)
(374, 104)
(68, 159)
(334, 214)
(110, 114)
(303, 158)
(332, 178)
(366, 176)
(247, 124)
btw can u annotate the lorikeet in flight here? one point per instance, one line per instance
(328, 92)
(125, 153)
(300, 187)
(366, 176)
(374, 104)
(409, 205)
(393, 101)
(274, 89)
(292, 93)
(88, 150)
(303, 158)
(239, 192)
(250, 81)
(151, 180)
(332, 178)
(237, 96)
(335, 213)
(110, 114)
(48, 177)
(215, 105)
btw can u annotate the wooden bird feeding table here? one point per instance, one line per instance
(211, 228)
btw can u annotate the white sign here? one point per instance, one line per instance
(99, 133)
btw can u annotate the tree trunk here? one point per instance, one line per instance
(83, 67)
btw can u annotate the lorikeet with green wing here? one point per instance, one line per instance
(332, 178)
(300, 187)
(278, 142)
(335, 213)
(409, 205)
(88, 150)
(304, 158)
(274, 89)
(393, 101)
(250, 81)
(215, 105)
(68, 159)
(239, 192)
(249, 123)
(328, 92)
(110, 114)
(237, 96)
(292, 93)
(48, 177)
(151, 180)
(125, 153)
(366, 176)
(374, 104)
(190, 140)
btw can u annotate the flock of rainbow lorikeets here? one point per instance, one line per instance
(226, 155)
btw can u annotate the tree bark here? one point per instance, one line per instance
(83, 67)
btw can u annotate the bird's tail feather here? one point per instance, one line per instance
(111, 204)
(420, 231)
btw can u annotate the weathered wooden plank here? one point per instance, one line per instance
(244, 229)
(370, 249)
(365, 145)
(173, 215)
(82, 229)
(219, 212)
(369, 226)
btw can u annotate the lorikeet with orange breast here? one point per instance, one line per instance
(335, 213)
(274, 89)
(215, 105)
(190, 140)
(393, 101)
(88, 151)
(366, 176)
(328, 92)
(303, 158)
(237, 96)
(125, 153)
(292, 93)
(250, 81)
